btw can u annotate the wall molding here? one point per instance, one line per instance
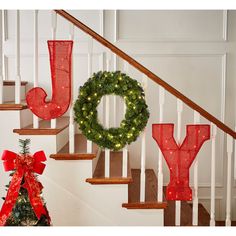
(172, 40)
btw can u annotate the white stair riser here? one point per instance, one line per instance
(9, 93)
(26, 118)
(49, 143)
(74, 196)
(12, 120)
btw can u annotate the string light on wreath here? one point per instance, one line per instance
(136, 116)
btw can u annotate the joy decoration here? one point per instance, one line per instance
(60, 63)
(179, 158)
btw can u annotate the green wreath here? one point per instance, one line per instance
(136, 116)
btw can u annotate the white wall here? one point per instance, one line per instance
(192, 50)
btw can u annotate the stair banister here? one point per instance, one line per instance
(90, 71)
(1, 57)
(107, 119)
(196, 120)
(179, 128)
(160, 156)
(114, 68)
(147, 72)
(125, 149)
(229, 177)
(71, 111)
(17, 48)
(54, 30)
(235, 157)
(213, 169)
(36, 56)
(143, 152)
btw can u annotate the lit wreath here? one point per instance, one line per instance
(86, 115)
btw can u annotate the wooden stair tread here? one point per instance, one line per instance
(80, 150)
(150, 192)
(11, 106)
(12, 83)
(115, 171)
(62, 123)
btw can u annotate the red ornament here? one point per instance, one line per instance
(24, 166)
(60, 63)
(179, 158)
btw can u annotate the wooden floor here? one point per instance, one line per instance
(150, 192)
(115, 171)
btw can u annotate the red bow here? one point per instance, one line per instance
(25, 166)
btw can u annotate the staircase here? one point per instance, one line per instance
(101, 187)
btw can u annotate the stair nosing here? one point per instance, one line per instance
(111, 180)
(12, 83)
(145, 205)
(73, 156)
(12, 107)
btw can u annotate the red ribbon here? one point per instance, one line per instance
(25, 166)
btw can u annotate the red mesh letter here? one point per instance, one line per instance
(179, 157)
(60, 64)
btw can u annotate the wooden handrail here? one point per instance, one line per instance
(147, 72)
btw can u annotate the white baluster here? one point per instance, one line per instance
(107, 122)
(125, 162)
(18, 78)
(1, 56)
(235, 157)
(71, 111)
(143, 153)
(179, 119)
(54, 24)
(114, 99)
(179, 122)
(213, 169)
(36, 56)
(114, 69)
(90, 66)
(228, 193)
(143, 167)
(160, 157)
(125, 149)
(54, 29)
(195, 178)
(4, 37)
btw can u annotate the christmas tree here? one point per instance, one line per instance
(23, 214)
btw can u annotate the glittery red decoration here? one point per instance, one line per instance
(25, 167)
(60, 63)
(179, 157)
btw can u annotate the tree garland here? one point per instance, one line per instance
(86, 115)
